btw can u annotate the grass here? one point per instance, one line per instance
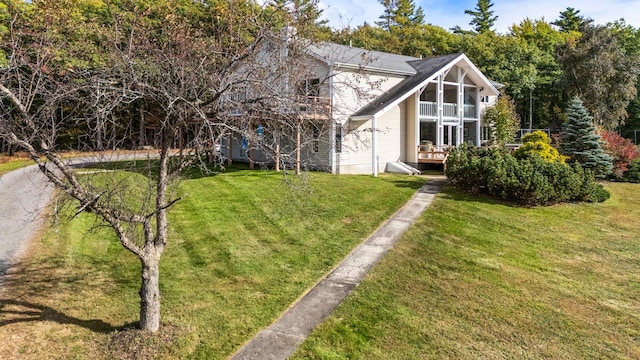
(12, 163)
(243, 246)
(476, 278)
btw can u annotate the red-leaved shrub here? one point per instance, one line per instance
(622, 150)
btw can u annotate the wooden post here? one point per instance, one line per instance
(229, 150)
(277, 158)
(298, 144)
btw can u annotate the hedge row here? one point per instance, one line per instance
(530, 181)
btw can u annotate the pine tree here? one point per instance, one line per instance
(483, 19)
(400, 14)
(580, 142)
(571, 20)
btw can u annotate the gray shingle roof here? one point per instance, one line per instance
(424, 69)
(357, 57)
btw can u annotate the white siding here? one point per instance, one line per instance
(353, 90)
(356, 155)
(391, 137)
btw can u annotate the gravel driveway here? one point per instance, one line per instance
(24, 193)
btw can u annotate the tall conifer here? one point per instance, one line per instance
(580, 142)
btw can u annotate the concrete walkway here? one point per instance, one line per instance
(281, 338)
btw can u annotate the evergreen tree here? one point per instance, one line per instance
(580, 142)
(400, 14)
(386, 19)
(571, 20)
(483, 19)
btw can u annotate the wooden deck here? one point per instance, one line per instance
(432, 157)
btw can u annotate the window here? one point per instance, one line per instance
(316, 136)
(309, 88)
(236, 98)
(338, 138)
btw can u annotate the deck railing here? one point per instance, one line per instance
(449, 110)
(428, 109)
(470, 111)
(431, 155)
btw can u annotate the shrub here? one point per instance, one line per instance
(530, 181)
(538, 143)
(621, 150)
(633, 173)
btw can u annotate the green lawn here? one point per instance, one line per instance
(476, 278)
(9, 164)
(243, 246)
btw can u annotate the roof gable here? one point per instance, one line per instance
(426, 70)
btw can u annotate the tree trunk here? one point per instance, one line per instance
(99, 136)
(150, 293)
(298, 145)
(142, 132)
(277, 155)
(154, 245)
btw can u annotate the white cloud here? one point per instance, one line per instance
(343, 13)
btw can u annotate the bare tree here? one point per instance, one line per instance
(175, 76)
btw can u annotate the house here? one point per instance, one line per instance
(386, 109)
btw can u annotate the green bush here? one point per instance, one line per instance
(633, 172)
(529, 181)
(538, 143)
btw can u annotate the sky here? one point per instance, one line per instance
(449, 13)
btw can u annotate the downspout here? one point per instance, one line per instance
(479, 119)
(440, 124)
(332, 136)
(416, 129)
(374, 151)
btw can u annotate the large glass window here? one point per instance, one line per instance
(428, 131)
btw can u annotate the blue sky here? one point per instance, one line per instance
(447, 14)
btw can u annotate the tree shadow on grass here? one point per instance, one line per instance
(21, 283)
(17, 311)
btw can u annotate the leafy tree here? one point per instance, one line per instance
(596, 69)
(506, 59)
(483, 19)
(580, 142)
(571, 20)
(629, 39)
(542, 104)
(538, 143)
(502, 120)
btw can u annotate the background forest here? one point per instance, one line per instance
(542, 63)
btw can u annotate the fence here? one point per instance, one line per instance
(633, 135)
